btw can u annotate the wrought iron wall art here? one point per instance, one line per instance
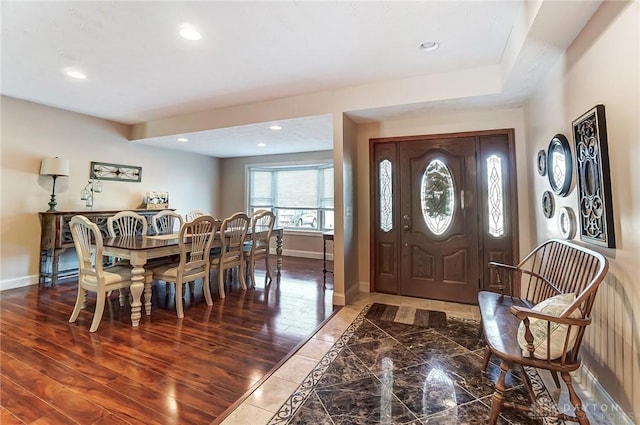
(559, 165)
(547, 204)
(542, 163)
(595, 208)
(567, 223)
(116, 172)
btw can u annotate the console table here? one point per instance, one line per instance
(56, 237)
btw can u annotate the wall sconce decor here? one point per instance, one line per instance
(595, 206)
(116, 172)
(54, 167)
(86, 194)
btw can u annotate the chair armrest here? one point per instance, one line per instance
(507, 267)
(526, 313)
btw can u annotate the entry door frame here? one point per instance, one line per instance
(487, 281)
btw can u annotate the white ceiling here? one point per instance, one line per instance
(138, 68)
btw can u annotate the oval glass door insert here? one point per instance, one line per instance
(437, 197)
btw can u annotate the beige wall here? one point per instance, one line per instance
(234, 196)
(439, 122)
(31, 132)
(602, 67)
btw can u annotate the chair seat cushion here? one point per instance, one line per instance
(168, 271)
(112, 275)
(553, 306)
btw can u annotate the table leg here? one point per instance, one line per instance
(137, 286)
(279, 254)
(55, 263)
(324, 262)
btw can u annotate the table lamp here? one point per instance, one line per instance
(54, 167)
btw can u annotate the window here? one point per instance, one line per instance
(301, 196)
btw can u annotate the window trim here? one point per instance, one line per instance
(291, 165)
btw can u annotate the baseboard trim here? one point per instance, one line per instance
(364, 287)
(305, 254)
(20, 282)
(600, 397)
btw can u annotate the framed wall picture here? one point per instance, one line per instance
(595, 209)
(116, 172)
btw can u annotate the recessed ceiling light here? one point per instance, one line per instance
(76, 74)
(183, 139)
(189, 32)
(262, 145)
(429, 46)
(276, 127)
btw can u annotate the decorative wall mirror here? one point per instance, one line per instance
(559, 165)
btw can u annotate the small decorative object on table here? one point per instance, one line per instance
(156, 200)
(86, 194)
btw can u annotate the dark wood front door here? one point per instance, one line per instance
(439, 249)
(442, 207)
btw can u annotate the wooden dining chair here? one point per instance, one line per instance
(262, 222)
(195, 238)
(130, 223)
(193, 214)
(127, 223)
(93, 276)
(165, 222)
(233, 233)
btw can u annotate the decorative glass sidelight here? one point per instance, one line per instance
(386, 196)
(495, 196)
(437, 196)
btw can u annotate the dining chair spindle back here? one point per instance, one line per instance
(165, 222)
(93, 276)
(195, 239)
(233, 233)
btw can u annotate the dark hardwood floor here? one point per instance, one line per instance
(166, 371)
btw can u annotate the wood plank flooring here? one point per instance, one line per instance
(167, 371)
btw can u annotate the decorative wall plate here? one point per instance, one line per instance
(559, 165)
(567, 223)
(542, 162)
(547, 204)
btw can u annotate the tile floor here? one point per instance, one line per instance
(261, 405)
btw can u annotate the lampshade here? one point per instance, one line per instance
(54, 167)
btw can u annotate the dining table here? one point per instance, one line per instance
(140, 249)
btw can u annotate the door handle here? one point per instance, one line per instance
(407, 222)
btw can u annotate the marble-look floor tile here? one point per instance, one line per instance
(314, 349)
(466, 371)
(272, 393)
(344, 368)
(473, 413)
(247, 414)
(378, 354)
(295, 369)
(426, 390)
(367, 401)
(430, 344)
(312, 412)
